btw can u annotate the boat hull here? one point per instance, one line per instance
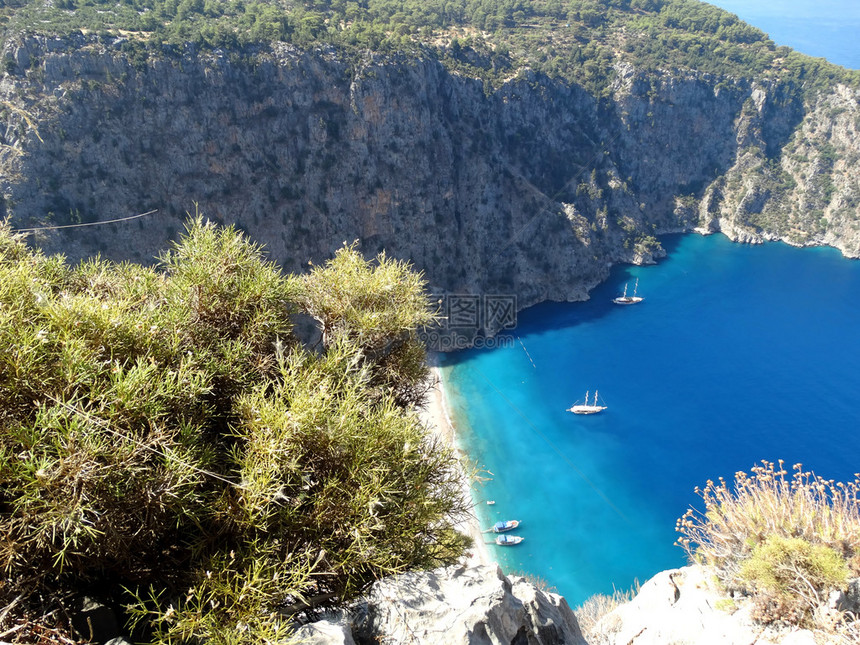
(587, 409)
(510, 526)
(508, 540)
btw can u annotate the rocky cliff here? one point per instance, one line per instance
(532, 189)
(686, 607)
(479, 605)
(459, 605)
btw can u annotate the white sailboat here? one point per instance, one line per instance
(624, 299)
(585, 408)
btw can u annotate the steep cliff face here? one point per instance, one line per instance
(533, 189)
(808, 194)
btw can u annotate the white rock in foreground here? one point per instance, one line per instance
(683, 607)
(453, 606)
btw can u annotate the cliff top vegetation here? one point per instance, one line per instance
(579, 40)
(165, 439)
(787, 543)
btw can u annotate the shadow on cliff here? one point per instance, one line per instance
(550, 315)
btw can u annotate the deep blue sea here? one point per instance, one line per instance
(738, 353)
(823, 28)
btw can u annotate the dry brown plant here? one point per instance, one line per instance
(787, 541)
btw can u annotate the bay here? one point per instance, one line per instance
(737, 354)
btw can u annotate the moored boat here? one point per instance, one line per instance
(586, 408)
(624, 299)
(505, 525)
(508, 540)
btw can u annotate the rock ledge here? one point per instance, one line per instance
(450, 606)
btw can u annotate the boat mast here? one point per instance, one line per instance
(595, 398)
(636, 287)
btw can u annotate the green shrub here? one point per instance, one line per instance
(376, 307)
(791, 577)
(785, 541)
(581, 42)
(167, 415)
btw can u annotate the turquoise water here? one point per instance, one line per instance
(822, 28)
(738, 354)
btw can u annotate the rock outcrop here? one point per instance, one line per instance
(530, 190)
(686, 607)
(480, 606)
(456, 605)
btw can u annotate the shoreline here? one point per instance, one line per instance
(435, 416)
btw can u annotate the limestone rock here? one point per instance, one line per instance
(453, 606)
(851, 600)
(684, 607)
(674, 606)
(553, 622)
(532, 190)
(325, 632)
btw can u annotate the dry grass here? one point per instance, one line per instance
(771, 536)
(589, 613)
(541, 584)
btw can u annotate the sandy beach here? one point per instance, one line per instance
(436, 416)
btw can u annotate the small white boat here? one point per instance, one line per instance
(505, 525)
(490, 502)
(508, 540)
(586, 408)
(624, 299)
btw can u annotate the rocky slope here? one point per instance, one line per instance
(533, 189)
(457, 605)
(685, 607)
(479, 605)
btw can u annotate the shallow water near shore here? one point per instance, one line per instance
(737, 354)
